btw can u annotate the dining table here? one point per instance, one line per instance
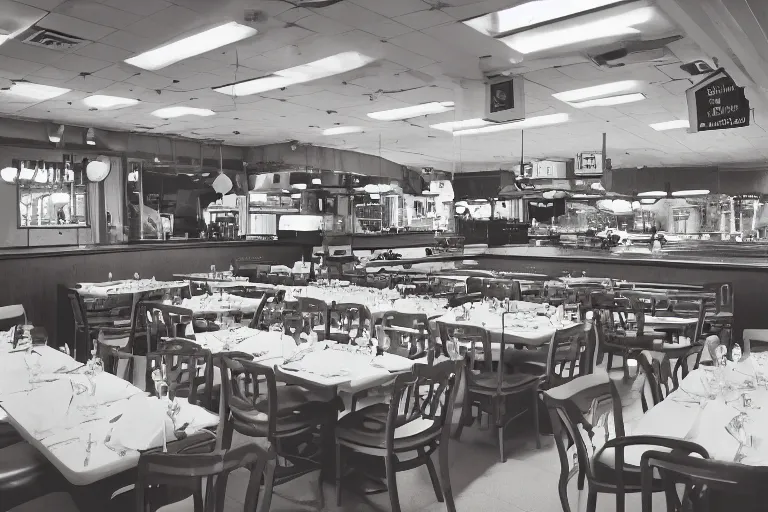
(725, 410)
(220, 303)
(89, 425)
(127, 287)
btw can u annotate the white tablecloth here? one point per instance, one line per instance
(128, 287)
(220, 303)
(681, 415)
(50, 417)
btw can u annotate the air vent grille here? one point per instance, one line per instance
(52, 40)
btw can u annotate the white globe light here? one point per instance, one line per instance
(9, 174)
(222, 184)
(97, 170)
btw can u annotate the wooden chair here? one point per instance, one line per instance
(490, 389)
(289, 417)
(577, 409)
(570, 355)
(409, 335)
(660, 380)
(501, 289)
(163, 321)
(182, 359)
(755, 340)
(122, 338)
(709, 485)
(189, 472)
(314, 314)
(349, 321)
(690, 361)
(405, 432)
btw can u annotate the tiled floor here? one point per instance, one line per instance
(527, 482)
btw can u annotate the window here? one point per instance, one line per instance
(51, 194)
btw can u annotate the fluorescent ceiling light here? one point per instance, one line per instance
(648, 201)
(104, 102)
(654, 193)
(37, 92)
(532, 13)
(323, 68)
(435, 107)
(531, 122)
(671, 125)
(191, 46)
(598, 91)
(610, 100)
(549, 37)
(690, 193)
(317, 181)
(341, 130)
(453, 126)
(375, 196)
(170, 112)
(4, 38)
(300, 186)
(296, 196)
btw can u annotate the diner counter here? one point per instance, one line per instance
(143, 245)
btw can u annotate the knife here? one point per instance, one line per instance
(88, 451)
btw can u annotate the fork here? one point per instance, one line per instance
(107, 439)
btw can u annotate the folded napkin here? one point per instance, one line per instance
(145, 423)
(392, 362)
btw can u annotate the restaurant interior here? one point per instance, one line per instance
(383, 255)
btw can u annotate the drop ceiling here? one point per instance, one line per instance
(423, 54)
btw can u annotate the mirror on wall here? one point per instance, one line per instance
(51, 194)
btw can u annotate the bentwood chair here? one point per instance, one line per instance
(487, 388)
(570, 355)
(182, 360)
(121, 338)
(289, 417)
(405, 432)
(709, 485)
(660, 380)
(349, 321)
(314, 315)
(586, 412)
(164, 321)
(189, 473)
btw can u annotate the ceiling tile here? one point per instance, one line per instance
(322, 25)
(132, 42)
(171, 21)
(75, 27)
(424, 19)
(97, 13)
(17, 68)
(19, 50)
(149, 80)
(118, 72)
(89, 83)
(423, 44)
(392, 8)
(74, 62)
(104, 52)
(48, 5)
(405, 57)
(50, 72)
(294, 15)
(140, 7)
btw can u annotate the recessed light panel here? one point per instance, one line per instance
(531, 122)
(671, 125)
(34, 92)
(171, 112)
(104, 102)
(190, 46)
(423, 109)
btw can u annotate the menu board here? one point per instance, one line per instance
(717, 103)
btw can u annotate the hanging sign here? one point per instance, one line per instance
(717, 103)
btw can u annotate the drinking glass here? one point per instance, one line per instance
(34, 364)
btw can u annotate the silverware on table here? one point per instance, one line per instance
(61, 443)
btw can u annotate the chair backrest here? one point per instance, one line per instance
(78, 311)
(188, 471)
(351, 318)
(660, 380)
(502, 289)
(709, 484)
(411, 405)
(11, 316)
(724, 302)
(414, 344)
(313, 311)
(163, 321)
(689, 362)
(479, 348)
(180, 359)
(582, 405)
(475, 284)
(755, 340)
(571, 354)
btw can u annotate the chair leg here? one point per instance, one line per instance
(394, 498)
(591, 501)
(582, 474)
(502, 457)
(466, 411)
(269, 482)
(338, 474)
(562, 488)
(609, 364)
(445, 477)
(536, 416)
(433, 476)
(620, 500)
(625, 362)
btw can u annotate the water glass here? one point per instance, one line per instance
(34, 364)
(736, 353)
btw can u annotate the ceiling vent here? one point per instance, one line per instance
(635, 52)
(52, 40)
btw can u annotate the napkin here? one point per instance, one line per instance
(709, 430)
(143, 425)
